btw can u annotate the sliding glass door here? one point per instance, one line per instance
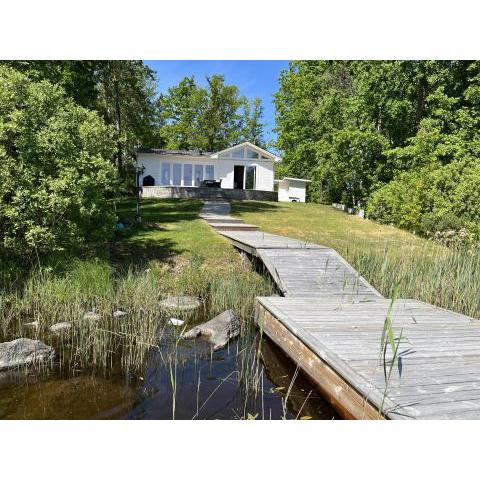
(250, 176)
(198, 175)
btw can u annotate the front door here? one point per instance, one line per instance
(238, 176)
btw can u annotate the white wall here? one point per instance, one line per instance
(223, 168)
(291, 189)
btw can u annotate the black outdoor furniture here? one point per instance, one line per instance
(210, 183)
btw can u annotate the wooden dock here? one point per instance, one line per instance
(330, 322)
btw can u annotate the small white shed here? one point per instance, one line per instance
(291, 189)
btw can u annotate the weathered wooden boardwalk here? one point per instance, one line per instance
(330, 322)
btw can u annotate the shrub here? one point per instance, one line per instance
(55, 171)
(432, 200)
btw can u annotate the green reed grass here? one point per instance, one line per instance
(447, 277)
(95, 286)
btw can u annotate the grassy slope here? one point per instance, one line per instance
(320, 224)
(391, 259)
(173, 231)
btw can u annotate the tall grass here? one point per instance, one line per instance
(95, 286)
(447, 277)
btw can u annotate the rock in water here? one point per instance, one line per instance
(92, 316)
(219, 330)
(180, 303)
(177, 322)
(24, 351)
(119, 313)
(61, 327)
(34, 324)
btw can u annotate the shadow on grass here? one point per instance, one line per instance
(134, 247)
(160, 210)
(125, 255)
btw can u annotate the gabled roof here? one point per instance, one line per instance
(184, 153)
(262, 151)
(294, 179)
(200, 153)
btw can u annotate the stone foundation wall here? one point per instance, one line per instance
(208, 193)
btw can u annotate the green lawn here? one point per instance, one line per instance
(320, 224)
(393, 260)
(172, 231)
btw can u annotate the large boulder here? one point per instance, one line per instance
(219, 330)
(24, 351)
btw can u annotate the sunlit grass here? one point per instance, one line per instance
(386, 256)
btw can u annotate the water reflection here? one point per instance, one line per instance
(204, 385)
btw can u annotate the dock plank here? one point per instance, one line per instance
(330, 322)
(357, 357)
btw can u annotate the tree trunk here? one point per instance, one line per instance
(118, 126)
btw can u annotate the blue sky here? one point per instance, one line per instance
(254, 78)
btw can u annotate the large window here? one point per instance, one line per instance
(251, 154)
(187, 175)
(209, 172)
(177, 173)
(165, 173)
(250, 178)
(198, 175)
(238, 153)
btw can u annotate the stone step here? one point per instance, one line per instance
(244, 227)
(224, 220)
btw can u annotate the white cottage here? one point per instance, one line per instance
(244, 171)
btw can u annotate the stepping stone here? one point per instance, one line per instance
(218, 331)
(176, 322)
(92, 316)
(182, 302)
(60, 327)
(34, 324)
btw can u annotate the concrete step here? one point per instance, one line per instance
(244, 227)
(224, 220)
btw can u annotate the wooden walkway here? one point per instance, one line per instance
(330, 322)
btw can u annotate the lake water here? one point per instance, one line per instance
(204, 384)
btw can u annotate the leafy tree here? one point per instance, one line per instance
(181, 108)
(208, 118)
(353, 126)
(252, 120)
(122, 92)
(76, 77)
(55, 170)
(127, 100)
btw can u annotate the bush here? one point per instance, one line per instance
(55, 170)
(432, 200)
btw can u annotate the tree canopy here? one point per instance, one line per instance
(123, 92)
(381, 132)
(55, 170)
(208, 118)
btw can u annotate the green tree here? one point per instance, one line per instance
(252, 120)
(123, 92)
(352, 126)
(55, 170)
(208, 118)
(181, 108)
(76, 77)
(126, 98)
